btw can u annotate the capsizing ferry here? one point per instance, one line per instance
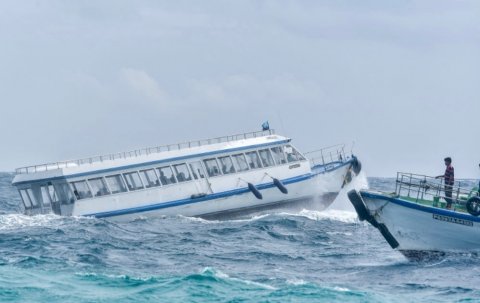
(197, 178)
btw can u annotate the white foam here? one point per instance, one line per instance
(222, 275)
(341, 202)
(18, 221)
(200, 220)
(330, 214)
(296, 282)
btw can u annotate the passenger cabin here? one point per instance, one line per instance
(56, 188)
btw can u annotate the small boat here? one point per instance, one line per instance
(414, 219)
(197, 178)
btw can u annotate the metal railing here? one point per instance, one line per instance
(327, 155)
(142, 152)
(422, 187)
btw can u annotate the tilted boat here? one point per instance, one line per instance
(196, 178)
(414, 220)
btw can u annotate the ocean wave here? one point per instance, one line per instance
(18, 221)
(330, 214)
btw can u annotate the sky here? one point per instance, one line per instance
(397, 80)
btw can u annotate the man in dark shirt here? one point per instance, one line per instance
(449, 180)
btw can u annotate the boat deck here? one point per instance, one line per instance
(458, 207)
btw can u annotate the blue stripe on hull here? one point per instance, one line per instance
(412, 205)
(213, 196)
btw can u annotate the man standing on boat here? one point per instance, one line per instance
(449, 179)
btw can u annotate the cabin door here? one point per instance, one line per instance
(200, 177)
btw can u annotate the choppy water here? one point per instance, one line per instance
(308, 256)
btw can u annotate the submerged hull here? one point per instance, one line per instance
(415, 229)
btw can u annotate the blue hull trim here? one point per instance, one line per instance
(427, 209)
(209, 197)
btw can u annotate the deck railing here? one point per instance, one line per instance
(142, 152)
(327, 155)
(422, 187)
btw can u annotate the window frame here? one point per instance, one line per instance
(194, 173)
(235, 162)
(44, 193)
(142, 172)
(282, 153)
(74, 188)
(104, 183)
(122, 181)
(25, 194)
(176, 172)
(258, 158)
(231, 163)
(168, 178)
(269, 154)
(139, 178)
(208, 170)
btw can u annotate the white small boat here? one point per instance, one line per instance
(414, 220)
(197, 178)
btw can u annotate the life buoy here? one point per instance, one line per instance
(280, 186)
(255, 191)
(473, 206)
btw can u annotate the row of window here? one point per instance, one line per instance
(46, 194)
(161, 176)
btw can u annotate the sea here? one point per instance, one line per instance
(278, 256)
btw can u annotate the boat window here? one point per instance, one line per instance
(98, 186)
(64, 192)
(149, 178)
(278, 155)
(181, 170)
(292, 154)
(32, 197)
(212, 167)
(52, 193)
(253, 160)
(45, 195)
(81, 190)
(266, 157)
(197, 170)
(133, 181)
(116, 184)
(240, 162)
(166, 175)
(227, 165)
(299, 155)
(25, 198)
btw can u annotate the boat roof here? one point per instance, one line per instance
(148, 156)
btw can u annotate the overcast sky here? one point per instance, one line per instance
(399, 78)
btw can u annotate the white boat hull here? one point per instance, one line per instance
(318, 188)
(420, 228)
